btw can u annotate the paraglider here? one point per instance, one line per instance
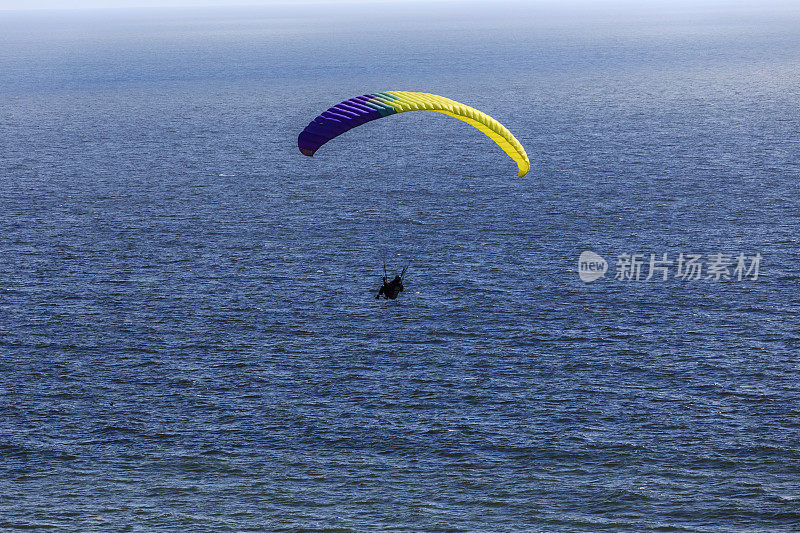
(356, 111)
(362, 109)
(391, 289)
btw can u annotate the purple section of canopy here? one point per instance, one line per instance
(335, 121)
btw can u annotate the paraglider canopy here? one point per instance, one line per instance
(361, 109)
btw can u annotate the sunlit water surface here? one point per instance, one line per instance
(189, 338)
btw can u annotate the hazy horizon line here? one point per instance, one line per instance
(98, 5)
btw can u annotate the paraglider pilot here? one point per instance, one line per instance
(390, 289)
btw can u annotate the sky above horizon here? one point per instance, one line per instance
(26, 5)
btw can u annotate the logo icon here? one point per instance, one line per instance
(591, 266)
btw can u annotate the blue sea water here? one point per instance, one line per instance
(189, 339)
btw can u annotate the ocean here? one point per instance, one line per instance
(189, 338)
